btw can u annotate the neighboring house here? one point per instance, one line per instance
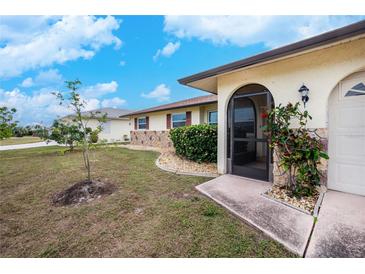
(332, 67)
(115, 129)
(151, 126)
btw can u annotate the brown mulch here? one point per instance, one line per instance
(170, 160)
(306, 203)
(81, 192)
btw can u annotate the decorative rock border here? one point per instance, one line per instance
(200, 174)
(285, 203)
(162, 167)
(318, 204)
(315, 210)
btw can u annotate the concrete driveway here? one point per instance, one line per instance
(23, 146)
(340, 229)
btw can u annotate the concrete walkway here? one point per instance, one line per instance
(243, 198)
(340, 229)
(31, 145)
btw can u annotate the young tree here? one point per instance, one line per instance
(73, 100)
(66, 133)
(6, 122)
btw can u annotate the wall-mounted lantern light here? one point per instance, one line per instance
(304, 92)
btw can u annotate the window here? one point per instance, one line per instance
(357, 90)
(142, 123)
(213, 117)
(178, 120)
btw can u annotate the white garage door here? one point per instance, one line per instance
(346, 147)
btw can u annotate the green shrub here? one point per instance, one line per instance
(299, 152)
(197, 143)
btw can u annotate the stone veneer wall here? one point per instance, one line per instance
(280, 178)
(151, 138)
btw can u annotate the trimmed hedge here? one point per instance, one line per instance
(197, 143)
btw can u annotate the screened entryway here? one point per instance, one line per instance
(248, 150)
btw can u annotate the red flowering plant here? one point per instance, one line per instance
(298, 152)
(264, 115)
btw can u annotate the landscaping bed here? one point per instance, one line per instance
(169, 161)
(305, 203)
(150, 214)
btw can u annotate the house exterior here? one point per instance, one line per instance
(151, 126)
(332, 67)
(115, 129)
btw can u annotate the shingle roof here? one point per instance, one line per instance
(201, 100)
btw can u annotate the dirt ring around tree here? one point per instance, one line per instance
(83, 192)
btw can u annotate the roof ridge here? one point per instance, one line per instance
(178, 104)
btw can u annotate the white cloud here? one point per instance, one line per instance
(92, 104)
(52, 40)
(28, 82)
(168, 50)
(273, 31)
(113, 102)
(43, 107)
(160, 93)
(99, 89)
(122, 63)
(51, 76)
(44, 78)
(21, 29)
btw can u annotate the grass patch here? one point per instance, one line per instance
(210, 210)
(152, 213)
(20, 140)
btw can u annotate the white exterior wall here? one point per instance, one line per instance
(319, 70)
(113, 130)
(157, 120)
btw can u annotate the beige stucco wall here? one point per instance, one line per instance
(157, 120)
(204, 110)
(113, 130)
(319, 70)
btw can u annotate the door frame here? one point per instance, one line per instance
(269, 101)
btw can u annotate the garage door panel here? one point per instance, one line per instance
(350, 146)
(346, 143)
(351, 117)
(350, 173)
(359, 190)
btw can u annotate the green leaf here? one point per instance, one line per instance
(324, 155)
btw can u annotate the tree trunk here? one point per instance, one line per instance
(291, 180)
(88, 165)
(86, 159)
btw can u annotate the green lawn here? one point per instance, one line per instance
(19, 140)
(152, 214)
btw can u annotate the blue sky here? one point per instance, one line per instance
(130, 62)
